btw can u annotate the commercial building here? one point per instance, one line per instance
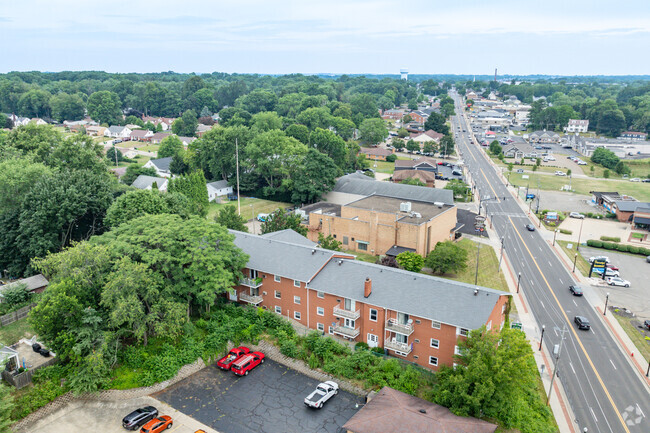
(413, 316)
(577, 125)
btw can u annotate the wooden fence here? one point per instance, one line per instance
(10, 318)
(25, 378)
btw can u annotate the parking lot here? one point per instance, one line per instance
(269, 399)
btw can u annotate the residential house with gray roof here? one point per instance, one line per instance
(416, 317)
(148, 182)
(161, 166)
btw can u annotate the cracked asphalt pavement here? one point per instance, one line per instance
(268, 400)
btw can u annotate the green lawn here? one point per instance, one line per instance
(149, 147)
(638, 190)
(582, 264)
(364, 257)
(12, 333)
(383, 166)
(488, 263)
(637, 337)
(250, 207)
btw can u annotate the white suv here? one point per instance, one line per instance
(576, 215)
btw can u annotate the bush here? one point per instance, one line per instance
(378, 350)
(391, 158)
(289, 348)
(594, 243)
(608, 245)
(610, 215)
(633, 249)
(610, 239)
(361, 346)
(621, 247)
(566, 232)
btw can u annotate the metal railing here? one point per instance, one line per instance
(346, 332)
(397, 346)
(354, 315)
(251, 282)
(393, 326)
(251, 299)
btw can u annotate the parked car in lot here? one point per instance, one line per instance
(616, 281)
(576, 290)
(646, 324)
(530, 196)
(530, 227)
(613, 267)
(323, 392)
(262, 217)
(576, 215)
(157, 425)
(605, 258)
(608, 272)
(227, 361)
(246, 363)
(560, 173)
(582, 322)
(635, 179)
(139, 417)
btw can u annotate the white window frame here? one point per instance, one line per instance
(278, 309)
(297, 315)
(434, 343)
(320, 311)
(320, 327)
(277, 294)
(370, 315)
(296, 283)
(277, 278)
(330, 330)
(456, 350)
(489, 325)
(433, 361)
(463, 332)
(435, 325)
(296, 299)
(320, 295)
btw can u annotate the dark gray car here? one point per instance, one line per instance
(139, 417)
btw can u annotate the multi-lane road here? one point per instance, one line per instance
(605, 392)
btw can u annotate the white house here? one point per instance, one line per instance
(119, 132)
(576, 125)
(147, 182)
(161, 166)
(218, 189)
(37, 121)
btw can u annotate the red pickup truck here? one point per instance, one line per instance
(246, 363)
(236, 353)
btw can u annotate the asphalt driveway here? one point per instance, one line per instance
(269, 400)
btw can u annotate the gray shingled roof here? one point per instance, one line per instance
(32, 283)
(433, 298)
(288, 260)
(290, 236)
(356, 184)
(162, 164)
(630, 206)
(144, 182)
(116, 129)
(219, 184)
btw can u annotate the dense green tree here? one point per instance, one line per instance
(446, 257)
(114, 156)
(228, 93)
(136, 203)
(314, 118)
(428, 148)
(229, 218)
(605, 157)
(257, 101)
(412, 146)
(35, 103)
(105, 107)
(133, 171)
(391, 158)
(193, 186)
(203, 99)
(495, 148)
(6, 407)
(186, 125)
(461, 189)
(17, 177)
(436, 122)
(373, 131)
(281, 220)
(215, 151)
(266, 121)
(314, 177)
(410, 261)
(397, 143)
(344, 127)
(170, 146)
(233, 116)
(329, 242)
(611, 122)
(402, 133)
(67, 107)
(330, 144)
(299, 132)
(363, 106)
(447, 145)
(76, 152)
(38, 140)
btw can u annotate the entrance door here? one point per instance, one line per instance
(349, 323)
(373, 340)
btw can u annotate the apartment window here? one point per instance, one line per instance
(464, 332)
(296, 283)
(296, 315)
(277, 278)
(345, 240)
(435, 325)
(296, 300)
(320, 327)
(456, 350)
(320, 311)
(330, 330)
(363, 246)
(278, 295)
(435, 343)
(433, 360)
(278, 309)
(373, 314)
(320, 294)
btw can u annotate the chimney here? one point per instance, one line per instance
(367, 287)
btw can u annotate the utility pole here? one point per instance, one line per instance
(537, 211)
(501, 254)
(557, 349)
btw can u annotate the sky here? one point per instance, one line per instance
(552, 37)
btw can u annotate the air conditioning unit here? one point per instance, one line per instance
(438, 203)
(405, 207)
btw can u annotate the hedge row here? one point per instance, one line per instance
(619, 247)
(610, 239)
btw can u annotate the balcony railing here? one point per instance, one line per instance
(393, 326)
(346, 332)
(397, 346)
(251, 299)
(251, 282)
(353, 315)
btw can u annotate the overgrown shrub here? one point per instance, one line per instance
(610, 238)
(361, 345)
(289, 348)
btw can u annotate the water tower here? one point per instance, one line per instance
(404, 74)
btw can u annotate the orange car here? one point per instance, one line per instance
(157, 425)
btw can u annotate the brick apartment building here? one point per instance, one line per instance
(413, 316)
(376, 223)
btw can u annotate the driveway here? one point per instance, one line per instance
(106, 417)
(636, 298)
(269, 400)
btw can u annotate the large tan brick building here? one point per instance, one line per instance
(413, 316)
(375, 224)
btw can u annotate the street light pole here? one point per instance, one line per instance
(542, 337)
(501, 254)
(518, 280)
(606, 301)
(580, 234)
(557, 361)
(554, 235)
(575, 258)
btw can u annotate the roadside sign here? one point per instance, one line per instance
(600, 264)
(515, 325)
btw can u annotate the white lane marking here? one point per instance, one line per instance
(542, 305)
(540, 248)
(561, 282)
(592, 330)
(573, 369)
(574, 301)
(550, 264)
(593, 414)
(639, 407)
(612, 364)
